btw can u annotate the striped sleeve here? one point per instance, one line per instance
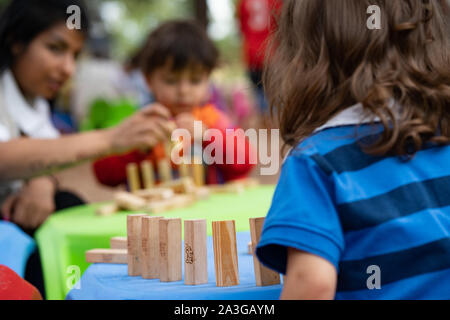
(302, 216)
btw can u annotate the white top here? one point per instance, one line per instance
(16, 116)
(33, 120)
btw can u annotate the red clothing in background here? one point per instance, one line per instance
(13, 287)
(111, 171)
(256, 19)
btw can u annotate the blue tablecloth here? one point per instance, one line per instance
(111, 282)
(15, 247)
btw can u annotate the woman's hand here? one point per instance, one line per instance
(32, 205)
(144, 129)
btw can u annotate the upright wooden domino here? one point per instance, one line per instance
(150, 247)
(183, 170)
(225, 253)
(170, 267)
(164, 170)
(195, 252)
(133, 177)
(263, 275)
(148, 175)
(198, 172)
(134, 243)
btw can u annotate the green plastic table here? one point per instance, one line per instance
(65, 237)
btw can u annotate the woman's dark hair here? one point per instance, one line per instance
(22, 20)
(182, 43)
(323, 59)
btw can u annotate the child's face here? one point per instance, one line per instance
(179, 91)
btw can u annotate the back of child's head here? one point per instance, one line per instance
(325, 58)
(179, 45)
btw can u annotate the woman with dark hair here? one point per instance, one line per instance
(38, 53)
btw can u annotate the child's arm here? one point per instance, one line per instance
(308, 277)
(24, 157)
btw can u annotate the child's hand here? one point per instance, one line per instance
(32, 205)
(144, 129)
(186, 121)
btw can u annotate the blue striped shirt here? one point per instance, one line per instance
(357, 210)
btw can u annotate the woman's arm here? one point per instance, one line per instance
(24, 158)
(308, 277)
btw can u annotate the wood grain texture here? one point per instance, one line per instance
(134, 242)
(198, 173)
(225, 253)
(118, 256)
(107, 210)
(195, 252)
(129, 201)
(263, 276)
(118, 243)
(150, 247)
(148, 174)
(170, 264)
(183, 170)
(164, 170)
(134, 182)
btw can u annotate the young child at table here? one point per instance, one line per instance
(362, 207)
(177, 61)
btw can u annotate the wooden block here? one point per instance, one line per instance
(225, 253)
(177, 202)
(148, 175)
(250, 248)
(183, 170)
(155, 194)
(133, 177)
(118, 256)
(164, 170)
(129, 201)
(134, 241)
(118, 243)
(264, 276)
(107, 210)
(183, 185)
(150, 247)
(202, 193)
(195, 252)
(170, 267)
(227, 188)
(198, 172)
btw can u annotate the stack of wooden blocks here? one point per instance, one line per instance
(170, 193)
(153, 250)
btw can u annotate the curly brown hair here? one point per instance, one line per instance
(323, 59)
